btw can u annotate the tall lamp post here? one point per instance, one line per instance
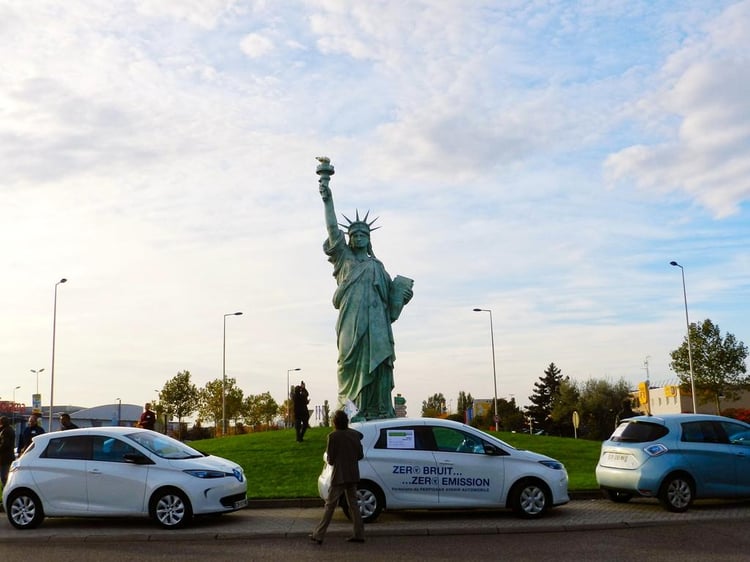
(13, 414)
(494, 370)
(52, 367)
(119, 411)
(687, 322)
(224, 376)
(289, 396)
(36, 372)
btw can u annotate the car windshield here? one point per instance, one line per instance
(638, 432)
(164, 446)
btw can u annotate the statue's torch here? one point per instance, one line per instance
(325, 169)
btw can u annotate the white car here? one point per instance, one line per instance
(425, 463)
(119, 472)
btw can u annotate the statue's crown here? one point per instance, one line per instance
(359, 224)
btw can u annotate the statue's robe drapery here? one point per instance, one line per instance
(365, 338)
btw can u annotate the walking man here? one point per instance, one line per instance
(343, 452)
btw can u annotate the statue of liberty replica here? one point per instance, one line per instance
(368, 302)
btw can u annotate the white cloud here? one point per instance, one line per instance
(256, 45)
(703, 103)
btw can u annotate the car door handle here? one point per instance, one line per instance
(95, 471)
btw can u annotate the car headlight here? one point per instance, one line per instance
(206, 473)
(554, 465)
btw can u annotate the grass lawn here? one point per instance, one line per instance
(277, 466)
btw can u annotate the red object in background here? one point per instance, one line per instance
(742, 414)
(6, 406)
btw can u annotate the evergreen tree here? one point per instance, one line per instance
(546, 392)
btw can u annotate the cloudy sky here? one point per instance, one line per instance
(543, 160)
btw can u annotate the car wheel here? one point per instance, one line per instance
(25, 510)
(529, 498)
(676, 493)
(370, 500)
(171, 508)
(618, 497)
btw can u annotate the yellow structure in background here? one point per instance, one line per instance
(671, 399)
(482, 406)
(643, 397)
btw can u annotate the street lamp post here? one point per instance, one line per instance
(687, 322)
(494, 370)
(36, 372)
(289, 396)
(224, 376)
(52, 367)
(13, 413)
(119, 411)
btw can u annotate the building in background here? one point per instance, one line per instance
(670, 399)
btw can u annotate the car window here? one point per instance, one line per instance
(110, 449)
(703, 432)
(737, 434)
(77, 447)
(164, 446)
(449, 439)
(638, 432)
(417, 438)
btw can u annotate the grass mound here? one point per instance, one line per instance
(277, 466)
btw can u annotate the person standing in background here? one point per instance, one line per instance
(7, 454)
(300, 399)
(31, 430)
(65, 422)
(148, 418)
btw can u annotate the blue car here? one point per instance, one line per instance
(676, 458)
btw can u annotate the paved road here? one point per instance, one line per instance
(687, 542)
(296, 522)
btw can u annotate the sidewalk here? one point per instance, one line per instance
(297, 521)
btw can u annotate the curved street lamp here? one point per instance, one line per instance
(289, 396)
(687, 321)
(52, 367)
(224, 376)
(494, 370)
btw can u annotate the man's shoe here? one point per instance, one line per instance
(317, 541)
(355, 539)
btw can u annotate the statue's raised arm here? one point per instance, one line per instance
(325, 170)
